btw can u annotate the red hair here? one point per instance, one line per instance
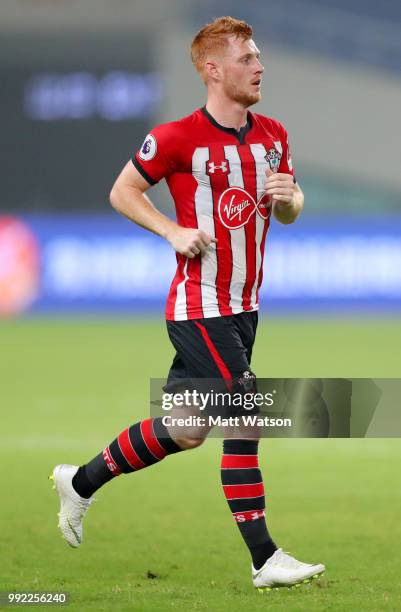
(213, 37)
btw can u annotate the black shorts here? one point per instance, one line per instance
(219, 347)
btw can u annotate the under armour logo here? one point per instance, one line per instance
(212, 167)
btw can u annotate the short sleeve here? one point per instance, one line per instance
(286, 165)
(155, 159)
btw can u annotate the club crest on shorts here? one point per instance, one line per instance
(273, 156)
(149, 148)
(247, 381)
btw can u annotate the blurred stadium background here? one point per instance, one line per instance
(82, 85)
(82, 82)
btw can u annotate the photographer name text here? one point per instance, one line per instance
(247, 420)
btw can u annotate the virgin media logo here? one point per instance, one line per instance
(236, 206)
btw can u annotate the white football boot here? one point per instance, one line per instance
(73, 507)
(282, 570)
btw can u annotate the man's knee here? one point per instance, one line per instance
(188, 443)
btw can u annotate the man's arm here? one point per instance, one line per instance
(129, 199)
(287, 196)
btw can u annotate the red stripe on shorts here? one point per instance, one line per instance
(223, 369)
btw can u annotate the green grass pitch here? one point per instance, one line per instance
(164, 539)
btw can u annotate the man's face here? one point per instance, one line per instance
(241, 71)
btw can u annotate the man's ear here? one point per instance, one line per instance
(212, 71)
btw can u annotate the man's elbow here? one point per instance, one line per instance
(114, 198)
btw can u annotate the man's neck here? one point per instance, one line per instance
(227, 113)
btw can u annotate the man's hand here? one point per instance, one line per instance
(287, 197)
(280, 186)
(189, 242)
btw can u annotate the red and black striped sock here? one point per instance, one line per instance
(244, 490)
(137, 447)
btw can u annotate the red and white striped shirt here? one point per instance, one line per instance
(216, 177)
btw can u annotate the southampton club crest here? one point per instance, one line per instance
(273, 156)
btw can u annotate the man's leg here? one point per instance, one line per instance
(224, 346)
(137, 447)
(244, 490)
